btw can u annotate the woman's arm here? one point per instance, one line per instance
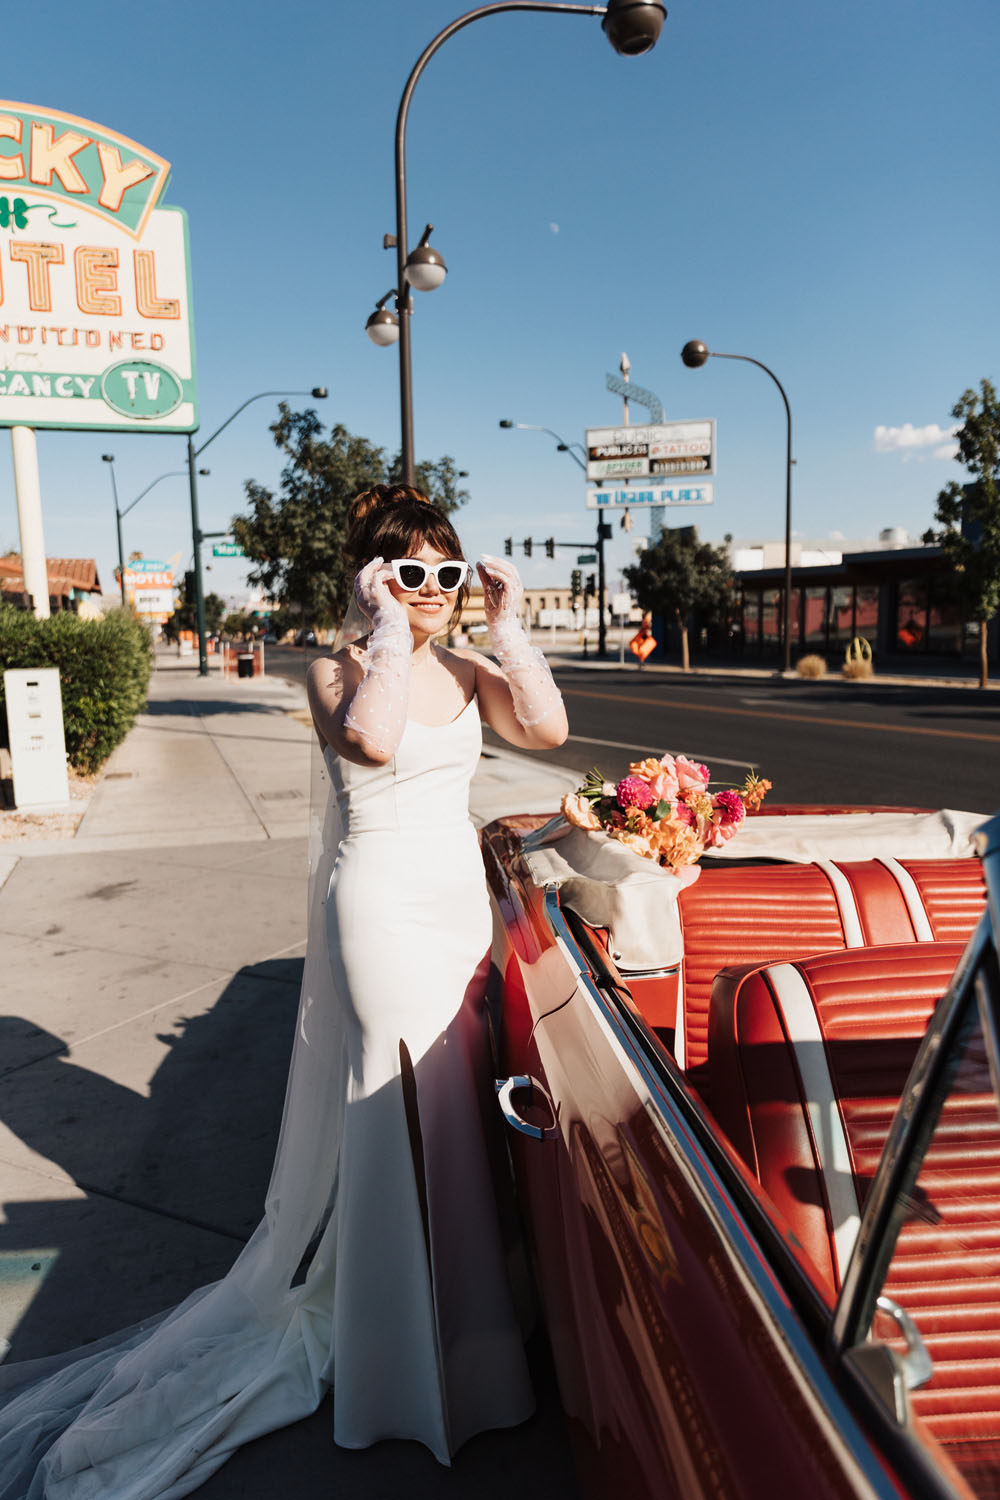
(518, 698)
(359, 703)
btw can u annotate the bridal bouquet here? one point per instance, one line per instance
(663, 809)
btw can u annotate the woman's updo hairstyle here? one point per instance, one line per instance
(396, 520)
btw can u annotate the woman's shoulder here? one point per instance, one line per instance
(334, 671)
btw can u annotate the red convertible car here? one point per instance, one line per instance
(756, 1137)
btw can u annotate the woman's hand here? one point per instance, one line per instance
(371, 590)
(502, 589)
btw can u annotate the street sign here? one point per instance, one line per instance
(664, 449)
(646, 498)
(586, 557)
(96, 323)
(228, 549)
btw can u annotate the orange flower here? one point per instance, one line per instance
(754, 791)
(578, 811)
(676, 844)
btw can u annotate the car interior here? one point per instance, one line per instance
(793, 1020)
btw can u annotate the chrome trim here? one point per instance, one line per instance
(657, 1091)
(916, 1364)
(647, 973)
(505, 1087)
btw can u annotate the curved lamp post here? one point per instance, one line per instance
(602, 534)
(631, 26)
(109, 458)
(319, 393)
(695, 354)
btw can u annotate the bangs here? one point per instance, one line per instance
(406, 528)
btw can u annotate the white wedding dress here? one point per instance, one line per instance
(378, 1267)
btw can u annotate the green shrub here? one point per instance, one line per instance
(104, 669)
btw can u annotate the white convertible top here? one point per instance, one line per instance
(609, 886)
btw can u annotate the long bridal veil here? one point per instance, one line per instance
(151, 1412)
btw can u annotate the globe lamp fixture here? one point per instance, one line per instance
(633, 26)
(383, 326)
(694, 354)
(425, 267)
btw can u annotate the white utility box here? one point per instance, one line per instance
(36, 734)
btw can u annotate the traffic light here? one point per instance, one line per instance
(550, 547)
(626, 521)
(591, 584)
(526, 544)
(189, 587)
(508, 546)
(576, 583)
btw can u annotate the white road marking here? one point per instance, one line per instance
(588, 739)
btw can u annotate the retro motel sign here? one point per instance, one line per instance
(96, 325)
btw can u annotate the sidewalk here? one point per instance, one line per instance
(151, 984)
(702, 671)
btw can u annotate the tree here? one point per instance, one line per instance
(679, 574)
(295, 538)
(969, 514)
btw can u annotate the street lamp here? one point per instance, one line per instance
(603, 530)
(695, 354)
(631, 26)
(109, 458)
(319, 393)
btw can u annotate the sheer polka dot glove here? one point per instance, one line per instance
(527, 672)
(377, 712)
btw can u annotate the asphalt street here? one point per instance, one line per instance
(919, 746)
(818, 742)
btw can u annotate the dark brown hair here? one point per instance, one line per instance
(395, 520)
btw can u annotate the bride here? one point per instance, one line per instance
(378, 1267)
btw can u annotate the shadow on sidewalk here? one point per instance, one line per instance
(198, 708)
(174, 1180)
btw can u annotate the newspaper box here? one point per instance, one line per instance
(37, 739)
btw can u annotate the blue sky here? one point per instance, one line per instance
(813, 186)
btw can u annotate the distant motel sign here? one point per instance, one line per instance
(149, 588)
(96, 327)
(657, 494)
(668, 449)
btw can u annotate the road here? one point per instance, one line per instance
(924, 746)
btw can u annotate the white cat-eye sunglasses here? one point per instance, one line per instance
(411, 574)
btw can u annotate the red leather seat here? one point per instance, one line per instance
(808, 1062)
(756, 913)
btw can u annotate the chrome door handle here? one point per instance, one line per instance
(916, 1364)
(505, 1087)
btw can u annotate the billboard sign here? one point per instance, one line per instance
(149, 588)
(665, 449)
(96, 319)
(646, 497)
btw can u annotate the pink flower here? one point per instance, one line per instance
(632, 791)
(730, 805)
(660, 776)
(684, 814)
(578, 811)
(714, 835)
(690, 774)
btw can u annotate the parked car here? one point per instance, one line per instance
(305, 638)
(761, 1183)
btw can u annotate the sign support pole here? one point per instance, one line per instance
(196, 537)
(28, 491)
